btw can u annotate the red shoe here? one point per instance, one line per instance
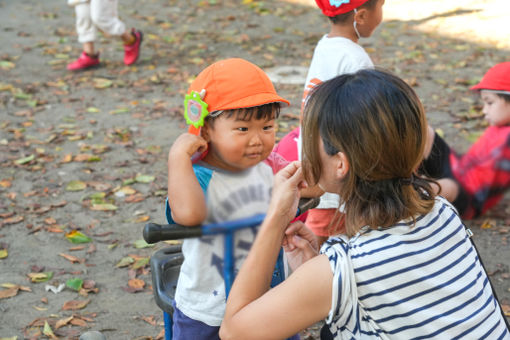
(132, 52)
(83, 62)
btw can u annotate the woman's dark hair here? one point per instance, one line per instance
(341, 18)
(378, 122)
(266, 111)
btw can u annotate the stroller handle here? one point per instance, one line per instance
(153, 232)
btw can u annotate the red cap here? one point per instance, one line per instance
(233, 84)
(496, 79)
(332, 8)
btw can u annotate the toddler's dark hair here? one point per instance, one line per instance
(341, 18)
(266, 111)
(378, 122)
(504, 96)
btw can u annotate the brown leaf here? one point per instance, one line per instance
(82, 157)
(75, 304)
(4, 183)
(59, 204)
(12, 220)
(136, 283)
(78, 322)
(161, 335)
(71, 258)
(92, 248)
(50, 221)
(151, 320)
(135, 198)
(88, 284)
(63, 322)
(506, 310)
(9, 292)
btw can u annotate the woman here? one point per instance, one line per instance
(406, 268)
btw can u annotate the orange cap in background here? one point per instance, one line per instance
(235, 83)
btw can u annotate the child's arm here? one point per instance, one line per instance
(185, 196)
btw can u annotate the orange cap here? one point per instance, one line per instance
(235, 83)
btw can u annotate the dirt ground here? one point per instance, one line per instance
(86, 152)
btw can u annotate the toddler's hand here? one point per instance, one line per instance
(186, 145)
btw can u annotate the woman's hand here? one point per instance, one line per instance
(300, 244)
(285, 197)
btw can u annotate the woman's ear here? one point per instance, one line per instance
(342, 166)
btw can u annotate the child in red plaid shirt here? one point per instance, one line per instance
(477, 180)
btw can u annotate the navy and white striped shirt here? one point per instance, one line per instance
(410, 281)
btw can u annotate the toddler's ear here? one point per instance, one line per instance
(361, 16)
(204, 132)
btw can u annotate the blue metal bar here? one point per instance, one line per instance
(230, 226)
(228, 261)
(168, 326)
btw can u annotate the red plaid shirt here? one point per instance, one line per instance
(484, 171)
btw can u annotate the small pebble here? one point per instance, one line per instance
(92, 335)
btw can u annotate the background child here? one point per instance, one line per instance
(230, 182)
(101, 15)
(338, 52)
(477, 180)
(406, 268)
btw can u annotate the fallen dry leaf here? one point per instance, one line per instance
(136, 283)
(71, 258)
(9, 292)
(63, 322)
(75, 304)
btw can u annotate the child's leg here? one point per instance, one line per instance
(437, 165)
(86, 35)
(84, 26)
(104, 15)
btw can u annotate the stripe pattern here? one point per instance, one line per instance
(412, 281)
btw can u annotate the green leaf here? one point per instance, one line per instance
(120, 110)
(124, 262)
(74, 284)
(48, 331)
(3, 253)
(76, 186)
(94, 159)
(21, 95)
(140, 244)
(6, 65)
(40, 277)
(102, 83)
(142, 262)
(77, 237)
(128, 181)
(24, 160)
(92, 110)
(103, 207)
(144, 178)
